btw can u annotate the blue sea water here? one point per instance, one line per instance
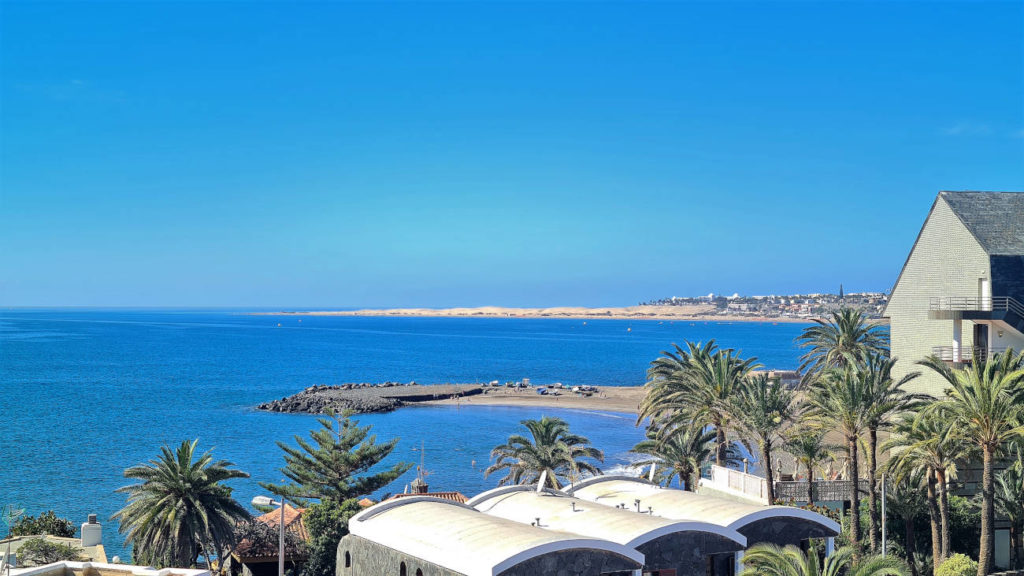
(85, 394)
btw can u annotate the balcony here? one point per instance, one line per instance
(968, 354)
(994, 309)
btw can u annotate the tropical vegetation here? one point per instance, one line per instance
(46, 523)
(40, 551)
(848, 392)
(181, 507)
(341, 463)
(771, 560)
(550, 450)
(677, 454)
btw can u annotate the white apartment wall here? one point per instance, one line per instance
(1010, 338)
(947, 261)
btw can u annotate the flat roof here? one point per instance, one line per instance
(682, 505)
(460, 538)
(559, 511)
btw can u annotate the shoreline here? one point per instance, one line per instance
(618, 399)
(662, 313)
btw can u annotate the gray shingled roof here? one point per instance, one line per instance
(996, 219)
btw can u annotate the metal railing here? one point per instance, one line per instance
(822, 490)
(967, 353)
(987, 304)
(755, 486)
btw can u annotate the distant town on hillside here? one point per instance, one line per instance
(782, 306)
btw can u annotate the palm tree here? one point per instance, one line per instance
(886, 399)
(770, 560)
(846, 338)
(923, 444)
(695, 384)
(984, 404)
(552, 449)
(808, 447)
(760, 409)
(679, 453)
(180, 507)
(904, 502)
(837, 401)
(1009, 504)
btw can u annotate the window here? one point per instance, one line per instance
(401, 569)
(348, 559)
(419, 572)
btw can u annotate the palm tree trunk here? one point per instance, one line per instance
(933, 517)
(810, 486)
(873, 525)
(690, 480)
(943, 488)
(769, 475)
(720, 451)
(911, 546)
(854, 497)
(1014, 546)
(987, 513)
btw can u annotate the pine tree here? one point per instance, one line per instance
(333, 467)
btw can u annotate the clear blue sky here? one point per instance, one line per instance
(315, 155)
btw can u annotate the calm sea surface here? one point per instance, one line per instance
(85, 394)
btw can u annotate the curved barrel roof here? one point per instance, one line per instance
(559, 511)
(680, 505)
(464, 540)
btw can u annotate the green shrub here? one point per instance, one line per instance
(957, 565)
(45, 523)
(39, 551)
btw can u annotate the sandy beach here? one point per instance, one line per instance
(624, 399)
(703, 313)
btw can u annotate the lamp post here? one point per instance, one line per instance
(266, 501)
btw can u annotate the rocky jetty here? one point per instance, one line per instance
(366, 398)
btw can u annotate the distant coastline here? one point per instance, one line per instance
(698, 313)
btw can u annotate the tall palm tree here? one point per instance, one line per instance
(695, 384)
(906, 503)
(984, 404)
(678, 453)
(1009, 504)
(925, 445)
(847, 337)
(837, 401)
(180, 507)
(770, 560)
(808, 447)
(550, 448)
(760, 409)
(886, 399)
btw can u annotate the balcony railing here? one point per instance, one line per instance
(986, 304)
(823, 490)
(967, 353)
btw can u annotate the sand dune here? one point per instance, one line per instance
(702, 313)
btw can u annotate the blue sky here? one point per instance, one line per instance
(428, 154)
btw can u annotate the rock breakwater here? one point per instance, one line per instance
(366, 398)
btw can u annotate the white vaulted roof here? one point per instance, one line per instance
(461, 539)
(681, 505)
(559, 511)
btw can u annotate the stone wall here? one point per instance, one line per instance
(573, 563)
(783, 531)
(361, 557)
(366, 558)
(685, 552)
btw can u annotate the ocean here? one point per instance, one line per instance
(85, 394)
